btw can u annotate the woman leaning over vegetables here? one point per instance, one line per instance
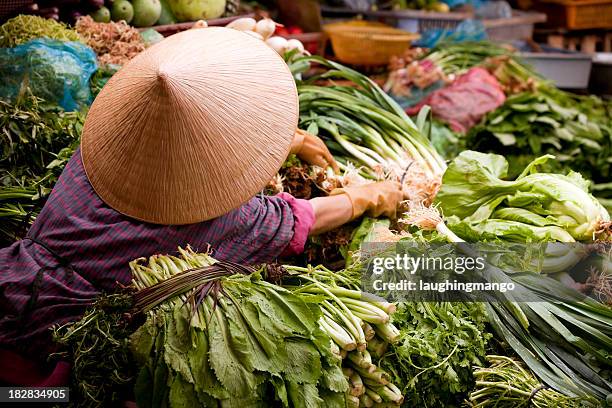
(175, 151)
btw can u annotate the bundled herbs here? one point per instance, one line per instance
(458, 57)
(113, 42)
(561, 335)
(534, 207)
(360, 329)
(38, 140)
(439, 343)
(23, 28)
(216, 333)
(507, 383)
(362, 124)
(97, 347)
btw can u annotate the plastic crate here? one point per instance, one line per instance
(518, 27)
(408, 20)
(567, 69)
(577, 14)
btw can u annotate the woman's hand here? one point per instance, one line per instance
(312, 150)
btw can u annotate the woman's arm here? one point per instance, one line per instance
(330, 212)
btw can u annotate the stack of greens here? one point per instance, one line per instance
(37, 141)
(458, 57)
(217, 335)
(360, 123)
(562, 336)
(507, 383)
(438, 343)
(97, 346)
(576, 130)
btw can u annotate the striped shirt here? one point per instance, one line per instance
(98, 242)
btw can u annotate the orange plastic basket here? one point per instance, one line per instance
(578, 14)
(367, 43)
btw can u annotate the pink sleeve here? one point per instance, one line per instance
(303, 215)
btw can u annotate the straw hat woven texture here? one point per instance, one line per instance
(191, 128)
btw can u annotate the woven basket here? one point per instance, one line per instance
(366, 43)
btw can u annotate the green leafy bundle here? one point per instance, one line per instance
(361, 124)
(216, 336)
(576, 130)
(360, 328)
(439, 343)
(534, 207)
(38, 139)
(458, 57)
(507, 383)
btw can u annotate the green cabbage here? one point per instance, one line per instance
(535, 207)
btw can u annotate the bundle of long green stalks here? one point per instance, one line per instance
(457, 58)
(506, 383)
(362, 125)
(359, 327)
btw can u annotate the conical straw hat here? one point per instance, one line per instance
(191, 128)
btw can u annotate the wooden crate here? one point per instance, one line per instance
(577, 14)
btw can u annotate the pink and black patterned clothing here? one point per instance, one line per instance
(79, 247)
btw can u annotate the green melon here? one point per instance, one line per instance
(146, 12)
(122, 10)
(192, 10)
(101, 15)
(166, 16)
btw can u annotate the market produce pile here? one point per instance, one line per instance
(195, 331)
(114, 43)
(536, 118)
(363, 126)
(198, 324)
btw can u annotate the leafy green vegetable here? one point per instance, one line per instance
(534, 207)
(363, 124)
(577, 130)
(439, 344)
(507, 383)
(97, 347)
(38, 139)
(228, 338)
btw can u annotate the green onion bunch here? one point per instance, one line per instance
(361, 124)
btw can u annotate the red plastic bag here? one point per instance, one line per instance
(464, 102)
